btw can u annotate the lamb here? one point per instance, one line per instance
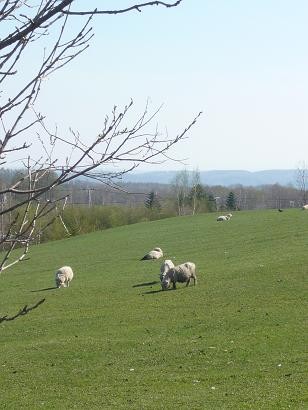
(156, 253)
(64, 276)
(223, 218)
(181, 273)
(168, 264)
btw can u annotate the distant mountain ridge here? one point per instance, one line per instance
(282, 177)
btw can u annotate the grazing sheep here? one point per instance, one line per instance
(305, 207)
(223, 218)
(168, 264)
(156, 253)
(181, 273)
(63, 277)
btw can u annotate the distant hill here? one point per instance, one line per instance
(222, 177)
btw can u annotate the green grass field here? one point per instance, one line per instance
(113, 340)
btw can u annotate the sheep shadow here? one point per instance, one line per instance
(139, 285)
(44, 290)
(150, 292)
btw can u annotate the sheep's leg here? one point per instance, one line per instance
(195, 281)
(174, 285)
(188, 282)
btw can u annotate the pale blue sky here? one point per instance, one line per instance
(243, 63)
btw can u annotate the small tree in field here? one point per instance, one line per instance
(231, 201)
(180, 187)
(152, 201)
(211, 203)
(194, 195)
(302, 181)
(197, 197)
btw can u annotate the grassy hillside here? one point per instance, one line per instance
(113, 340)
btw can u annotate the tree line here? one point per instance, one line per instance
(94, 206)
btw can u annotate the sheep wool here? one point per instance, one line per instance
(181, 273)
(167, 265)
(224, 217)
(64, 276)
(156, 253)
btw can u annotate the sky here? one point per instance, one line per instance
(244, 64)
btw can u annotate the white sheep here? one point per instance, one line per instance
(156, 253)
(64, 276)
(223, 218)
(168, 264)
(305, 207)
(181, 273)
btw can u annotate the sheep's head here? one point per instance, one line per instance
(60, 282)
(165, 284)
(157, 250)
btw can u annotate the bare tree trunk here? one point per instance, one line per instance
(301, 180)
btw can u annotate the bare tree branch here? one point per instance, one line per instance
(31, 201)
(136, 7)
(22, 312)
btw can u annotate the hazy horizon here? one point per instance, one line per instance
(221, 177)
(191, 169)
